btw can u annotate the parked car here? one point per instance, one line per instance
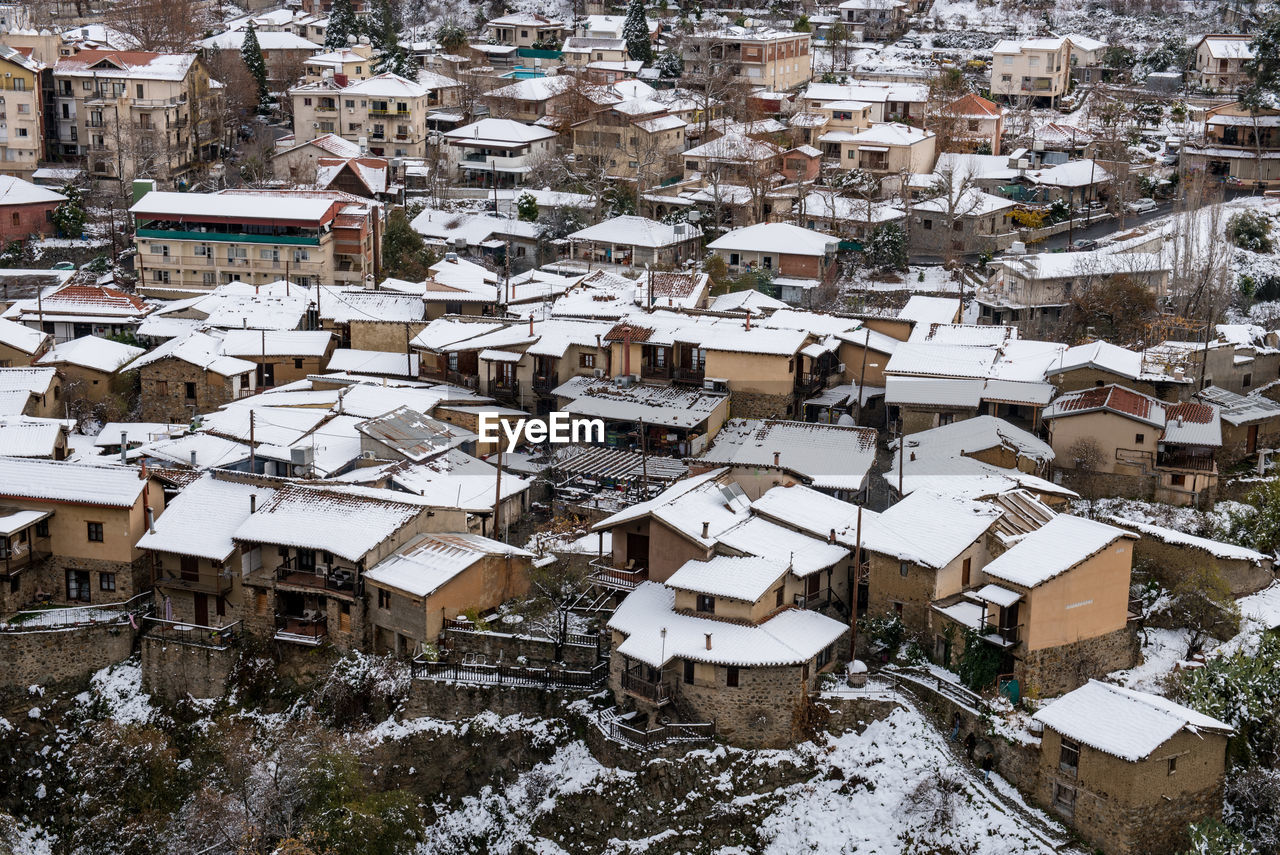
(1082, 245)
(1141, 206)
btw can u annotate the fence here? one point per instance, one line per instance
(575, 639)
(35, 620)
(647, 740)
(511, 675)
(932, 682)
(217, 637)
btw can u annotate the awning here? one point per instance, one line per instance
(873, 148)
(485, 167)
(1002, 597)
(13, 520)
(500, 356)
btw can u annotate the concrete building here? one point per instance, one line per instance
(1039, 69)
(130, 113)
(775, 59)
(193, 242)
(1220, 59)
(875, 19)
(497, 152)
(1238, 146)
(887, 149)
(22, 139)
(525, 30)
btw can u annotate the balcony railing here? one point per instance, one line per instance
(1006, 636)
(614, 728)
(217, 637)
(339, 579)
(814, 600)
(310, 630)
(618, 578)
(545, 382)
(206, 583)
(1194, 462)
(655, 692)
(660, 372)
(512, 675)
(689, 375)
(504, 385)
(16, 557)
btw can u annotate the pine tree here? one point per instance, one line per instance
(1262, 91)
(69, 217)
(251, 54)
(635, 29)
(383, 32)
(527, 208)
(342, 23)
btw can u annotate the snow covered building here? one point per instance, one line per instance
(635, 241)
(1220, 59)
(77, 309)
(498, 152)
(1234, 137)
(26, 210)
(1128, 770)
(775, 59)
(91, 367)
(801, 262)
(21, 345)
(1035, 68)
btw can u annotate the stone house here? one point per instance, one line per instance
(802, 262)
(1130, 771)
(93, 369)
(198, 566)
(21, 345)
(435, 578)
(78, 309)
(1056, 605)
(191, 375)
(281, 356)
(31, 392)
(1171, 555)
(721, 644)
(960, 222)
(634, 241)
(1249, 422)
(80, 524)
(1100, 363)
(307, 550)
(298, 162)
(1115, 440)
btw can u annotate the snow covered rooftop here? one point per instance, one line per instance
(260, 343)
(343, 522)
(744, 578)
(426, 563)
(1051, 550)
(413, 435)
(92, 352)
(629, 230)
(15, 191)
(708, 500)
(21, 337)
(953, 525)
(1216, 548)
(129, 64)
(1122, 722)
(977, 434)
(373, 362)
(656, 634)
(503, 132)
(929, 310)
(199, 349)
(268, 40)
(202, 519)
(1240, 409)
(782, 238)
(108, 486)
(827, 456)
(30, 437)
(654, 404)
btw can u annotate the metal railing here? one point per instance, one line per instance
(511, 675)
(20, 556)
(645, 740)
(650, 690)
(35, 620)
(301, 629)
(219, 584)
(608, 576)
(1006, 634)
(338, 579)
(545, 382)
(217, 637)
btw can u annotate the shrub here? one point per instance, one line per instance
(1250, 230)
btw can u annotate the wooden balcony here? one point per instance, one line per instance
(656, 692)
(617, 578)
(206, 583)
(1005, 636)
(14, 558)
(339, 580)
(308, 630)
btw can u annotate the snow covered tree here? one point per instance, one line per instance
(527, 208)
(1257, 527)
(383, 28)
(251, 54)
(1211, 837)
(1262, 91)
(670, 65)
(70, 216)
(1250, 230)
(342, 24)
(404, 254)
(635, 30)
(1242, 689)
(395, 60)
(1202, 603)
(887, 248)
(452, 38)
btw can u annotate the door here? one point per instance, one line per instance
(812, 587)
(1251, 445)
(202, 609)
(78, 586)
(190, 568)
(637, 551)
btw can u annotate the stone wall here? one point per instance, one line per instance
(47, 656)
(175, 669)
(1054, 671)
(502, 647)
(454, 701)
(758, 712)
(1170, 563)
(756, 405)
(163, 390)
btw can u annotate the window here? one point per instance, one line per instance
(162, 387)
(301, 255)
(42, 528)
(160, 276)
(734, 259)
(106, 581)
(269, 254)
(190, 390)
(95, 532)
(1173, 765)
(731, 677)
(779, 596)
(903, 566)
(1064, 799)
(297, 362)
(1139, 438)
(139, 90)
(384, 599)
(928, 224)
(706, 604)
(825, 655)
(1248, 380)
(965, 569)
(307, 560)
(1177, 479)
(1069, 757)
(234, 252)
(587, 360)
(16, 218)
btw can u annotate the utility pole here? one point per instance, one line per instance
(644, 457)
(862, 378)
(408, 353)
(253, 455)
(857, 582)
(497, 494)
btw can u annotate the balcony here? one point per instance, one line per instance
(655, 692)
(335, 579)
(326, 108)
(388, 112)
(1181, 460)
(656, 372)
(1004, 636)
(544, 383)
(217, 585)
(215, 637)
(306, 629)
(807, 382)
(816, 600)
(689, 375)
(16, 557)
(508, 386)
(606, 575)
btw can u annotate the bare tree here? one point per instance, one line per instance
(164, 26)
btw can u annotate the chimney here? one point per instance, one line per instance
(124, 446)
(748, 319)
(253, 503)
(777, 458)
(706, 528)
(531, 325)
(151, 520)
(831, 538)
(708, 641)
(193, 457)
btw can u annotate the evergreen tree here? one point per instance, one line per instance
(404, 253)
(69, 217)
(670, 65)
(527, 208)
(635, 30)
(452, 38)
(342, 23)
(887, 248)
(383, 30)
(251, 53)
(1262, 91)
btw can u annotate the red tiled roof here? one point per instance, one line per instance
(975, 105)
(1190, 411)
(1115, 398)
(620, 331)
(98, 295)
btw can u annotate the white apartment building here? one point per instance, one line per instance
(1035, 68)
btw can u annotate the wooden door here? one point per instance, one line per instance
(1252, 443)
(190, 568)
(202, 609)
